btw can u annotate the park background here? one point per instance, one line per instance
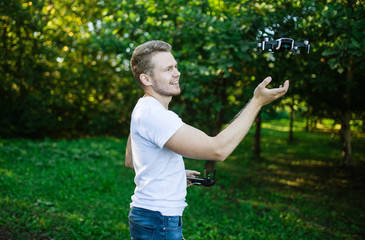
(67, 94)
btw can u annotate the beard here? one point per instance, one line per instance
(165, 90)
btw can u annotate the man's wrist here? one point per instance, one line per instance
(255, 103)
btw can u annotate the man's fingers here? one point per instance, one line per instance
(267, 95)
(192, 173)
(278, 92)
(286, 84)
(283, 88)
(266, 81)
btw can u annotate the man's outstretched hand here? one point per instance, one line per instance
(263, 95)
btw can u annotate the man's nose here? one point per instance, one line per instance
(177, 73)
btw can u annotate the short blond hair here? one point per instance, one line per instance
(142, 55)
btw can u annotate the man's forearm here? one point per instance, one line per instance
(229, 138)
(128, 154)
(194, 143)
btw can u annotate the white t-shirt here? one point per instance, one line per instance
(160, 173)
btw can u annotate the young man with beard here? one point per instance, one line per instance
(159, 139)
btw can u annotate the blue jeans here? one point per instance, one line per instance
(151, 225)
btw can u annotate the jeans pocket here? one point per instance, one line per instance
(173, 229)
(174, 222)
(140, 228)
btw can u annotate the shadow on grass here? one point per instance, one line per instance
(79, 189)
(304, 181)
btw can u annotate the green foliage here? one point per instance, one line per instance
(54, 81)
(64, 68)
(78, 189)
(337, 71)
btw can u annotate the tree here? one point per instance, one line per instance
(335, 65)
(55, 81)
(65, 64)
(24, 60)
(338, 28)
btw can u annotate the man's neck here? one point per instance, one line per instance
(164, 100)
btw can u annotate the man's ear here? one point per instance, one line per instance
(145, 79)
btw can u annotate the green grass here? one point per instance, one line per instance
(80, 189)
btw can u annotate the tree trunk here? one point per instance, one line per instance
(314, 124)
(209, 166)
(308, 120)
(219, 117)
(346, 118)
(257, 139)
(307, 123)
(346, 139)
(291, 137)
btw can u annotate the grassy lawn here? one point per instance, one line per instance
(80, 189)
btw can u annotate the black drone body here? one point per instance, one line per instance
(283, 44)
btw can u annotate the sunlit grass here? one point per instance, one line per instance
(79, 189)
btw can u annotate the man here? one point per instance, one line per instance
(159, 138)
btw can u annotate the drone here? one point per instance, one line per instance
(206, 181)
(283, 44)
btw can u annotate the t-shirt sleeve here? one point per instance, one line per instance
(160, 125)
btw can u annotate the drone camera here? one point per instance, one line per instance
(285, 44)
